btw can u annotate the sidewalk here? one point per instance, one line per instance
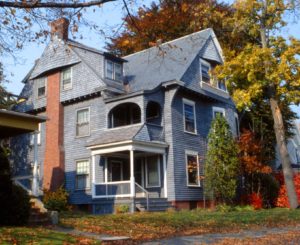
(99, 237)
(218, 237)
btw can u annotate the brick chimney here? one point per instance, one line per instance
(60, 28)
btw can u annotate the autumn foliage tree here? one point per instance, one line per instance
(170, 19)
(266, 71)
(258, 183)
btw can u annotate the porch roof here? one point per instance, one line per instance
(13, 123)
(136, 132)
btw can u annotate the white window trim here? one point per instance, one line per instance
(192, 153)
(191, 103)
(89, 175)
(158, 168)
(236, 119)
(204, 63)
(218, 109)
(61, 79)
(89, 134)
(37, 88)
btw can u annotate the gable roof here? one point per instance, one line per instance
(149, 68)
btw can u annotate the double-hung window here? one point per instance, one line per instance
(189, 116)
(83, 122)
(114, 70)
(41, 87)
(66, 79)
(192, 168)
(82, 174)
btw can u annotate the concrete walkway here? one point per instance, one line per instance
(213, 238)
(99, 237)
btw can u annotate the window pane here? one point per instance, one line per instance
(82, 174)
(221, 85)
(152, 171)
(220, 113)
(192, 170)
(205, 73)
(109, 69)
(83, 122)
(118, 72)
(189, 118)
(66, 79)
(41, 87)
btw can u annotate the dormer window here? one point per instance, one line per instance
(66, 79)
(114, 70)
(41, 87)
(204, 71)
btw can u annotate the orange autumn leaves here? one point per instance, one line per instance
(251, 154)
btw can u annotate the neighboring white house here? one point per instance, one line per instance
(293, 145)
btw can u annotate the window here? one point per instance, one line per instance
(66, 79)
(204, 71)
(192, 168)
(218, 111)
(114, 70)
(82, 174)
(222, 86)
(189, 116)
(124, 114)
(152, 171)
(41, 87)
(83, 122)
(153, 113)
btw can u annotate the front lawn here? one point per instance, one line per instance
(145, 226)
(39, 235)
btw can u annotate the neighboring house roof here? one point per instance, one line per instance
(147, 69)
(13, 123)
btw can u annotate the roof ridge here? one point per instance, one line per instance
(168, 42)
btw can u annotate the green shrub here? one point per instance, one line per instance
(223, 208)
(56, 200)
(243, 208)
(122, 208)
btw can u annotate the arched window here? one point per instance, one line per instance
(124, 114)
(153, 114)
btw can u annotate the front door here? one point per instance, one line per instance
(115, 170)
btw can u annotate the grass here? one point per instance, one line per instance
(39, 235)
(145, 226)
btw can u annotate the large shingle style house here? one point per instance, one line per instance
(121, 129)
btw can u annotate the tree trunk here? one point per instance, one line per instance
(284, 156)
(278, 123)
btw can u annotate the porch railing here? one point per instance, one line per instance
(112, 189)
(140, 190)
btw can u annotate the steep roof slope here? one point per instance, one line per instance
(169, 61)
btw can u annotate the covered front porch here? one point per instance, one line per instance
(129, 169)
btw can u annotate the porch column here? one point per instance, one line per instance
(35, 180)
(132, 180)
(93, 175)
(165, 175)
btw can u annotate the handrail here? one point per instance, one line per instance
(146, 192)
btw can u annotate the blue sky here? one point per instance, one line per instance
(109, 15)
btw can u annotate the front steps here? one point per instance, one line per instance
(38, 213)
(155, 204)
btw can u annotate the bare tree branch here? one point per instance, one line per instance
(51, 4)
